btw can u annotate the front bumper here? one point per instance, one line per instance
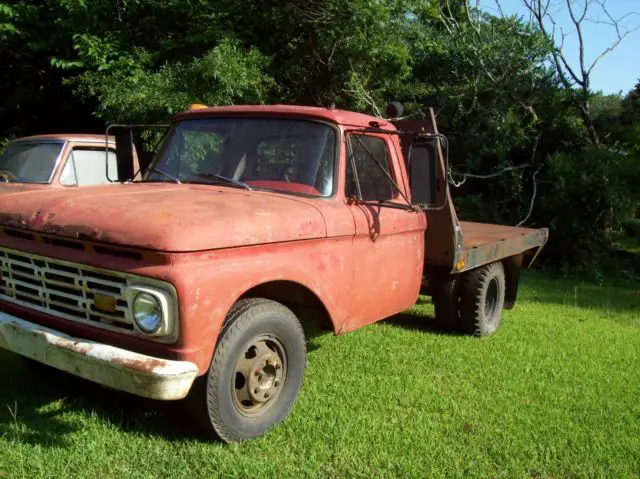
(116, 368)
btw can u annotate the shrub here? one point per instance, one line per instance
(631, 226)
(584, 197)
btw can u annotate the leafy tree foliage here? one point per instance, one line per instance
(77, 64)
(132, 91)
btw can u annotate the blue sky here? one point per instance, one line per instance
(620, 69)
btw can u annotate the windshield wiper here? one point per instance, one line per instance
(224, 179)
(171, 177)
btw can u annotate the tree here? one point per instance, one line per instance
(34, 99)
(132, 90)
(630, 119)
(580, 12)
(631, 104)
(324, 51)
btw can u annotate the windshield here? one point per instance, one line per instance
(292, 156)
(29, 162)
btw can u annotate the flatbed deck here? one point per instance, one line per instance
(485, 243)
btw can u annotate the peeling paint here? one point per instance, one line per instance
(151, 216)
(107, 365)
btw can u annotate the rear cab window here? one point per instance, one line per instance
(87, 166)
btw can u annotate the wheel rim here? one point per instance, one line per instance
(259, 375)
(491, 301)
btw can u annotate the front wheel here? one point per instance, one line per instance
(256, 372)
(482, 299)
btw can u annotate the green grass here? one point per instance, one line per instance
(555, 393)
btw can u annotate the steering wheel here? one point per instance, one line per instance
(7, 175)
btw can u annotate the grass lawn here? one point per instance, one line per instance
(555, 393)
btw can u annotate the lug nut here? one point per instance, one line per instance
(266, 395)
(257, 373)
(255, 391)
(277, 367)
(276, 384)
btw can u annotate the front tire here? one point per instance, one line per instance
(482, 293)
(255, 374)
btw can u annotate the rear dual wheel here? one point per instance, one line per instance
(256, 372)
(473, 302)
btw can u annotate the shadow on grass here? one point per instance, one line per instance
(424, 324)
(38, 404)
(313, 332)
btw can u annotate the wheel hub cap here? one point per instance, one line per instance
(260, 374)
(265, 378)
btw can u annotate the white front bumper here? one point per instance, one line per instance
(117, 368)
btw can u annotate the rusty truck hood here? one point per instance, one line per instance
(164, 217)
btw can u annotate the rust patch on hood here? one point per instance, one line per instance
(12, 219)
(44, 222)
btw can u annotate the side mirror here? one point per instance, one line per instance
(428, 173)
(125, 155)
(127, 159)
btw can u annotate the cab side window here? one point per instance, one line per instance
(363, 153)
(87, 167)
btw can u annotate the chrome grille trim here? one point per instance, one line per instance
(67, 290)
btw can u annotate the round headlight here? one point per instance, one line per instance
(147, 312)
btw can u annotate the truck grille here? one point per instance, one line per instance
(64, 289)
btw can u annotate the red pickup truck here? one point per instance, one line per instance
(250, 222)
(57, 161)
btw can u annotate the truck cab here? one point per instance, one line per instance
(57, 161)
(250, 222)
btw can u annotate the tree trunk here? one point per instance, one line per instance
(588, 123)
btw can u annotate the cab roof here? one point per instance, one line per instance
(79, 137)
(340, 117)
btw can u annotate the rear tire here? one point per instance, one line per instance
(482, 300)
(255, 374)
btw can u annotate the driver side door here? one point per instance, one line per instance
(388, 245)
